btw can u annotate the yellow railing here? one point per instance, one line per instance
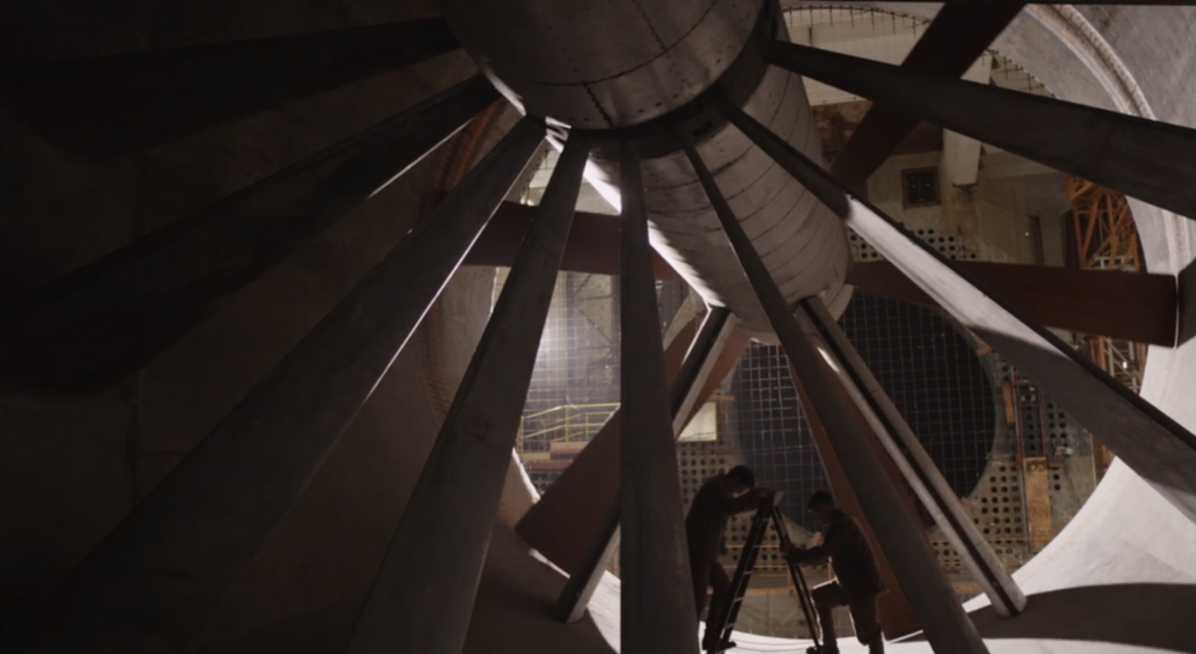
(569, 423)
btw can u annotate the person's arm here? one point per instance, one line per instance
(807, 556)
(832, 544)
(749, 500)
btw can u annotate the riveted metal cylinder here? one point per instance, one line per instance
(802, 243)
(602, 64)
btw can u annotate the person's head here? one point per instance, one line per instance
(741, 479)
(822, 505)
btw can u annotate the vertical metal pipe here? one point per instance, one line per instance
(423, 595)
(111, 317)
(947, 626)
(657, 604)
(916, 466)
(697, 367)
(176, 555)
(1154, 445)
(123, 103)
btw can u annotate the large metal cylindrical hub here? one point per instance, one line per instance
(603, 64)
(615, 71)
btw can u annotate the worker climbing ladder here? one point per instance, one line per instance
(724, 622)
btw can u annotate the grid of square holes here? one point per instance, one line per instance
(952, 247)
(999, 514)
(766, 422)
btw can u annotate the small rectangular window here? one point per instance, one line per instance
(920, 187)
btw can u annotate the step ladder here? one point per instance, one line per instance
(724, 623)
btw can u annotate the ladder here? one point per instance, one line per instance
(724, 623)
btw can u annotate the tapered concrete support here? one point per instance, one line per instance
(153, 583)
(124, 103)
(1158, 448)
(657, 602)
(111, 317)
(423, 596)
(689, 389)
(916, 466)
(1149, 160)
(946, 625)
(958, 35)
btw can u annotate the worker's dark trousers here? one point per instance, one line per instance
(709, 575)
(864, 615)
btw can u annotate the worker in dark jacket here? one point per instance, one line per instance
(721, 497)
(857, 584)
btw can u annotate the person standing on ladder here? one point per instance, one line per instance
(719, 498)
(857, 584)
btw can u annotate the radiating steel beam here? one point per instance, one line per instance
(423, 596)
(916, 466)
(151, 585)
(1157, 448)
(111, 317)
(657, 600)
(688, 390)
(123, 103)
(946, 625)
(1149, 160)
(959, 33)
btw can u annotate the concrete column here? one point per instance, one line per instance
(111, 317)
(1145, 159)
(946, 625)
(123, 103)
(657, 601)
(916, 466)
(153, 583)
(961, 154)
(423, 596)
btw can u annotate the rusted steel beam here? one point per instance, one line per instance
(1135, 306)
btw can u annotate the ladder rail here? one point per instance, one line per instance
(724, 623)
(798, 579)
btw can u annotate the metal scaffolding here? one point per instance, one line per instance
(1106, 238)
